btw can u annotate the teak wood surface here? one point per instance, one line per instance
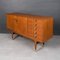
(37, 28)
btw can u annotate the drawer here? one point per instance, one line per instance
(30, 20)
(40, 38)
(40, 34)
(30, 31)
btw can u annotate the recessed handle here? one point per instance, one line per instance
(35, 35)
(16, 20)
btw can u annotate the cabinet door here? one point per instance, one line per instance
(30, 25)
(9, 22)
(15, 23)
(20, 26)
(42, 30)
(24, 25)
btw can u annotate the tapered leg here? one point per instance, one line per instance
(35, 45)
(12, 35)
(43, 44)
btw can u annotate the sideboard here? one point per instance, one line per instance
(37, 28)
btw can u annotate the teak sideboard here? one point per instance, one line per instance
(37, 28)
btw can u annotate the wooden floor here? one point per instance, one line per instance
(23, 49)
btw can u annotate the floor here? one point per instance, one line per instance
(23, 49)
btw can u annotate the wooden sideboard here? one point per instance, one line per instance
(37, 28)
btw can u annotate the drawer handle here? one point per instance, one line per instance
(16, 21)
(35, 35)
(35, 28)
(35, 32)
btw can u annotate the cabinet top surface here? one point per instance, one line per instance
(25, 14)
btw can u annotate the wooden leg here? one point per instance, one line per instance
(35, 45)
(43, 44)
(12, 35)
